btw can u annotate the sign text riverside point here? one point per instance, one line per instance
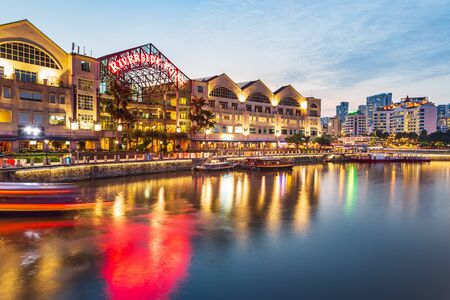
(150, 59)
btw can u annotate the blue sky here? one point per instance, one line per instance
(334, 50)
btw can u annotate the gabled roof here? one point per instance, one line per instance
(280, 89)
(206, 79)
(244, 85)
(28, 23)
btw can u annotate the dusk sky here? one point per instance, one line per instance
(334, 50)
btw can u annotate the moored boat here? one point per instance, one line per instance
(216, 165)
(387, 158)
(267, 163)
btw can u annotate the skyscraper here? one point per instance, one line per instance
(443, 117)
(342, 111)
(375, 102)
(362, 109)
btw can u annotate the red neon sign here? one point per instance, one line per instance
(144, 58)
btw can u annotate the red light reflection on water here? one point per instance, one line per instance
(143, 261)
(7, 227)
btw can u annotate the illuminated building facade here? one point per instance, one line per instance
(408, 116)
(160, 92)
(334, 128)
(355, 124)
(443, 117)
(46, 94)
(250, 115)
(373, 103)
(49, 96)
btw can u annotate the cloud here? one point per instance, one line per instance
(326, 45)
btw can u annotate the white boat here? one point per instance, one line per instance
(216, 165)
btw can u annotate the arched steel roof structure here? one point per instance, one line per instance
(145, 68)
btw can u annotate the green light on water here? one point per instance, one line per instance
(352, 189)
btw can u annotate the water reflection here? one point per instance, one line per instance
(151, 241)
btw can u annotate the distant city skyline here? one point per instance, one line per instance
(333, 51)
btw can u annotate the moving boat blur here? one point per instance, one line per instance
(387, 158)
(41, 197)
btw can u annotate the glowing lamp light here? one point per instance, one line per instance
(47, 74)
(8, 69)
(74, 125)
(67, 143)
(226, 137)
(303, 105)
(33, 142)
(178, 129)
(46, 142)
(119, 127)
(97, 126)
(277, 133)
(34, 131)
(274, 102)
(208, 131)
(241, 97)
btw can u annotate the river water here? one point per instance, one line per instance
(328, 231)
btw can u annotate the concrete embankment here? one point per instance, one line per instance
(94, 171)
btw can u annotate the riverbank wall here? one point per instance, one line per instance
(94, 171)
(109, 169)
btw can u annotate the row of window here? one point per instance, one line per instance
(85, 85)
(35, 118)
(26, 53)
(223, 92)
(254, 130)
(266, 109)
(25, 76)
(85, 102)
(31, 95)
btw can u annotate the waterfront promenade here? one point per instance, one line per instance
(96, 166)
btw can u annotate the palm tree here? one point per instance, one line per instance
(201, 118)
(121, 94)
(177, 137)
(297, 139)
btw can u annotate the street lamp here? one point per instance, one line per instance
(46, 151)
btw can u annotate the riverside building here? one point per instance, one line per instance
(51, 99)
(409, 115)
(250, 115)
(47, 96)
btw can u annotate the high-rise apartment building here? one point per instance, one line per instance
(342, 111)
(375, 102)
(443, 117)
(406, 116)
(355, 124)
(334, 128)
